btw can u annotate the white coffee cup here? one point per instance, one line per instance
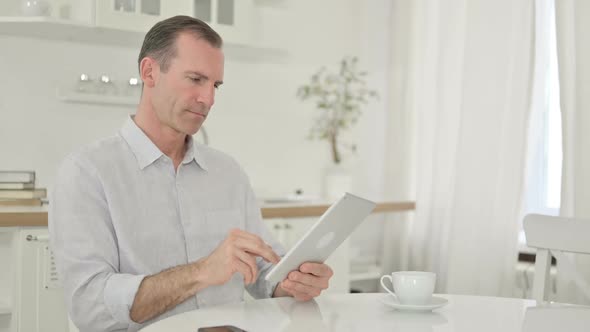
(411, 287)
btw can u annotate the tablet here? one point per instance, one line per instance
(333, 227)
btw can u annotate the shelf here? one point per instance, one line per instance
(97, 99)
(373, 272)
(56, 29)
(68, 30)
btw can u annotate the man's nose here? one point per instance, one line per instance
(207, 96)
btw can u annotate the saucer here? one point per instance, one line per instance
(435, 302)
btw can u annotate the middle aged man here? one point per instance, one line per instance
(147, 223)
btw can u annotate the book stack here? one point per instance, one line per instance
(17, 188)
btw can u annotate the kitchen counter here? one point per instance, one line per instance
(37, 216)
(23, 216)
(297, 210)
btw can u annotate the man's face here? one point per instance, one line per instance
(183, 96)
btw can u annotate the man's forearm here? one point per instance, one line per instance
(161, 292)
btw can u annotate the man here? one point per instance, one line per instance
(147, 224)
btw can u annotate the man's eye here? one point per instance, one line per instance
(196, 79)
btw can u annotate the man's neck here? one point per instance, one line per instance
(171, 142)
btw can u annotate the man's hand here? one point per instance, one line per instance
(163, 291)
(307, 283)
(237, 253)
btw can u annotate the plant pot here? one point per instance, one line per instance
(337, 181)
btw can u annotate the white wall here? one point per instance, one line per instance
(257, 118)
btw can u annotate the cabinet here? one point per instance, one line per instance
(132, 15)
(7, 294)
(129, 20)
(230, 18)
(40, 301)
(31, 299)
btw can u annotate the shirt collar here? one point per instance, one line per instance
(146, 152)
(194, 152)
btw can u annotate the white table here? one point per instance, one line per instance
(364, 312)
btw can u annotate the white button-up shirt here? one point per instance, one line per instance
(119, 212)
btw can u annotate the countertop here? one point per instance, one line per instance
(15, 216)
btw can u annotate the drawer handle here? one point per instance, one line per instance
(37, 238)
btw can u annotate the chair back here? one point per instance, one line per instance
(552, 235)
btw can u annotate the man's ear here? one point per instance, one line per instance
(149, 69)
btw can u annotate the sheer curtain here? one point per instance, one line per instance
(469, 95)
(573, 50)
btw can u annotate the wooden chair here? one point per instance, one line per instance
(553, 236)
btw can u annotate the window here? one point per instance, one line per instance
(543, 190)
(553, 146)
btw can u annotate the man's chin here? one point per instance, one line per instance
(189, 126)
(193, 130)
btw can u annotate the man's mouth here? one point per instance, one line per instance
(198, 113)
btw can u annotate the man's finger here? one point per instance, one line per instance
(256, 240)
(291, 291)
(295, 294)
(244, 234)
(258, 248)
(250, 261)
(317, 269)
(301, 288)
(244, 270)
(302, 297)
(309, 279)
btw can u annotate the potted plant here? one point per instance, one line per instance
(339, 97)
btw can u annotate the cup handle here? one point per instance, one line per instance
(385, 287)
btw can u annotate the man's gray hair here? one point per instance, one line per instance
(159, 42)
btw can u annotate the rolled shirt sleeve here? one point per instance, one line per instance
(84, 243)
(119, 294)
